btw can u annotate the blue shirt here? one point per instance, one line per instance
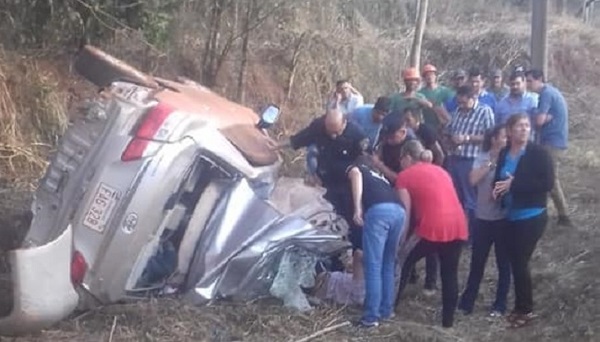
(554, 133)
(485, 97)
(510, 105)
(363, 117)
(515, 214)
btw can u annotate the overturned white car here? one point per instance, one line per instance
(161, 186)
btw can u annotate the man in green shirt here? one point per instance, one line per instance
(438, 95)
(409, 98)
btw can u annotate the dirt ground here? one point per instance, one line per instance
(566, 280)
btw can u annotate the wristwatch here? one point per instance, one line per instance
(468, 138)
(491, 165)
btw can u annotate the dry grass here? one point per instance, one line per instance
(567, 285)
(32, 118)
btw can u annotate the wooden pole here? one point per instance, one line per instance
(539, 35)
(415, 52)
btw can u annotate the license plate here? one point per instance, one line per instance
(100, 211)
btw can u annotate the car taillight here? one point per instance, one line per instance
(151, 128)
(78, 268)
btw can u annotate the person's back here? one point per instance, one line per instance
(438, 214)
(363, 117)
(555, 132)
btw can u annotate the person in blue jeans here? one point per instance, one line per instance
(524, 178)
(378, 211)
(489, 226)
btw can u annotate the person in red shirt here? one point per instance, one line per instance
(436, 218)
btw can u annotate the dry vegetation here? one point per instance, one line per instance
(294, 56)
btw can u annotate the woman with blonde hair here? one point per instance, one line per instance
(436, 218)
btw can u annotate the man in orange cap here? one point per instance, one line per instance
(437, 94)
(409, 98)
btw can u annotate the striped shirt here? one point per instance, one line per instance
(475, 122)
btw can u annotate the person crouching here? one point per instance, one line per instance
(438, 220)
(378, 211)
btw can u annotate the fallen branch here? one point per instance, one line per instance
(323, 332)
(112, 329)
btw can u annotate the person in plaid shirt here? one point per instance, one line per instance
(464, 135)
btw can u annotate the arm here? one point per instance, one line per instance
(356, 183)
(303, 138)
(406, 202)
(442, 114)
(541, 174)
(422, 101)
(544, 102)
(386, 171)
(480, 171)
(438, 154)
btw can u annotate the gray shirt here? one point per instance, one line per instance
(487, 208)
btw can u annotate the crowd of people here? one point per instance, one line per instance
(435, 169)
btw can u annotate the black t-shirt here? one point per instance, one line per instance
(390, 155)
(376, 188)
(426, 135)
(335, 155)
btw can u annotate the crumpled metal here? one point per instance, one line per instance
(241, 247)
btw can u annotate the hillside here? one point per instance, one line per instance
(293, 57)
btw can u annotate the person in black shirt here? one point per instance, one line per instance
(426, 134)
(377, 209)
(392, 137)
(339, 142)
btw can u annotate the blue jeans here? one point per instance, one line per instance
(459, 169)
(381, 235)
(486, 234)
(311, 159)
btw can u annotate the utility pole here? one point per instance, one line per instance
(539, 35)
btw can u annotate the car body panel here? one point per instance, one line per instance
(41, 282)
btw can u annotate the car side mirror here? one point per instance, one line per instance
(269, 116)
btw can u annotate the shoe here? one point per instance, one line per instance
(429, 292)
(366, 324)
(496, 314)
(389, 318)
(565, 221)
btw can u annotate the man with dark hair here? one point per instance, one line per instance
(552, 122)
(370, 117)
(518, 101)
(477, 80)
(459, 77)
(350, 97)
(465, 134)
(497, 86)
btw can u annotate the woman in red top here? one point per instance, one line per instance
(437, 218)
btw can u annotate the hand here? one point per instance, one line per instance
(502, 187)
(273, 145)
(459, 139)
(358, 218)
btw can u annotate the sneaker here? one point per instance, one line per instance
(496, 314)
(367, 324)
(429, 292)
(564, 221)
(389, 318)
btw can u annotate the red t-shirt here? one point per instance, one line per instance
(435, 209)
